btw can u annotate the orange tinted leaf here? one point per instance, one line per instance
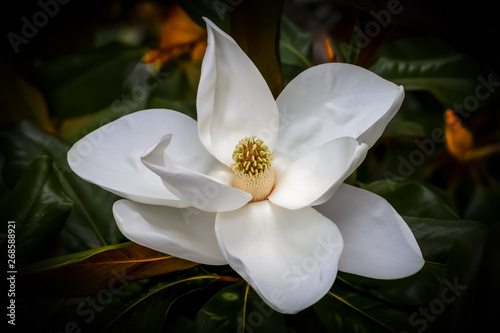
(330, 55)
(104, 270)
(180, 35)
(459, 140)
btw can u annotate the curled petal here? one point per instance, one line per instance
(233, 99)
(378, 242)
(314, 178)
(288, 257)
(111, 155)
(186, 233)
(334, 100)
(194, 187)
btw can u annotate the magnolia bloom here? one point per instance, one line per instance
(257, 183)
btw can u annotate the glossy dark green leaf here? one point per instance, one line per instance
(22, 145)
(93, 214)
(218, 11)
(135, 306)
(414, 48)
(255, 27)
(39, 206)
(344, 309)
(416, 289)
(91, 223)
(451, 79)
(86, 274)
(437, 237)
(411, 198)
(86, 82)
(238, 308)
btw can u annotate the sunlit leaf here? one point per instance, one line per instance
(179, 35)
(87, 274)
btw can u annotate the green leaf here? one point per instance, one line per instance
(135, 306)
(93, 215)
(295, 44)
(295, 48)
(86, 82)
(238, 308)
(24, 144)
(39, 206)
(218, 11)
(188, 107)
(437, 237)
(87, 274)
(451, 79)
(91, 223)
(414, 48)
(411, 198)
(416, 289)
(136, 90)
(180, 81)
(344, 309)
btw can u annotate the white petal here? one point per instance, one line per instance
(193, 186)
(334, 100)
(184, 233)
(314, 178)
(111, 155)
(377, 241)
(233, 100)
(288, 257)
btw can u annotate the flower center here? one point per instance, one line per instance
(252, 168)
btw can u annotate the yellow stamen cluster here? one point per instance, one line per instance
(252, 168)
(252, 157)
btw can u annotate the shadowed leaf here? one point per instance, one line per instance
(86, 273)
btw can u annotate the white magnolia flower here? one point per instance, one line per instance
(256, 183)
